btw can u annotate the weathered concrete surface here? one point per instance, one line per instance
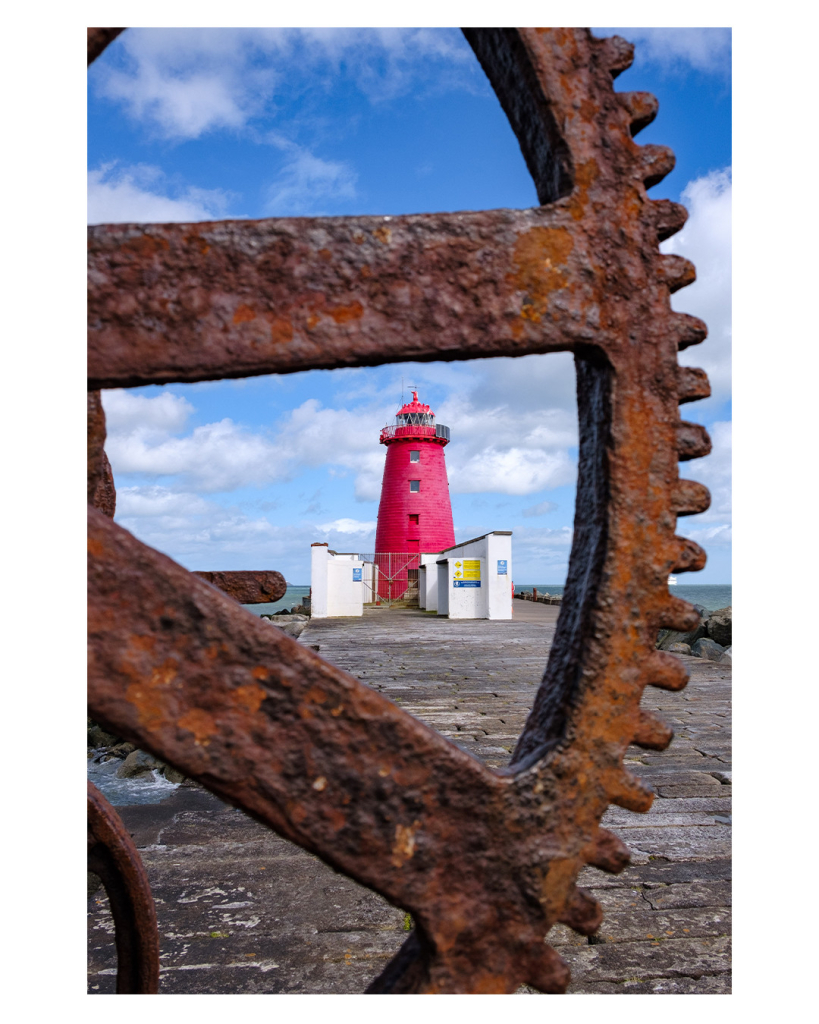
(241, 910)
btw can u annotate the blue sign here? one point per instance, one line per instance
(466, 583)
(502, 567)
(357, 575)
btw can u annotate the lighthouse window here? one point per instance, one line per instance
(415, 456)
(415, 519)
(415, 485)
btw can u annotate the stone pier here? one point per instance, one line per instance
(241, 910)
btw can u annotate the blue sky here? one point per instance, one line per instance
(195, 124)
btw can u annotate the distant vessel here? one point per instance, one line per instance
(672, 581)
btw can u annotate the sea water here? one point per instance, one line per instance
(148, 788)
(709, 595)
(292, 596)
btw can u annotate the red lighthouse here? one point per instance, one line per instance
(415, 513)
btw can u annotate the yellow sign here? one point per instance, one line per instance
(472, 569)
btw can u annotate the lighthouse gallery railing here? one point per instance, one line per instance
(485, 861)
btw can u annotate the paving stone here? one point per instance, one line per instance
(243, 911)
(636, 925)
(668, 958)
(719, 984)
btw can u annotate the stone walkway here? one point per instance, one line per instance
(241, 910)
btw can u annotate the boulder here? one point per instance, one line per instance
(98, 737)
(138, 762)
(122, 749)
(708, 649)
(172, 774)
(719, 626)
(726, 657)
(667, 637)
(293, 628)
(679, 648)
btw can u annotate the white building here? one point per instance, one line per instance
(472, 580)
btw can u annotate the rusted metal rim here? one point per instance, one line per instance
(113, 857)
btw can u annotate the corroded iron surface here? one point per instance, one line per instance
(113, 857)
(485, 861)
(98, 39)
(247, 587)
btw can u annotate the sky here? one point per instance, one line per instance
(188, 124)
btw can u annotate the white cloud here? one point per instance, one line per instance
(126, 412)
(214, 457)
(159, 501)
(142, 194)
(715, 472)
(514, 471)
(706, 241)
(679, 49)
(306, 183)
(541, 509)
(183, 83)
(347, 526)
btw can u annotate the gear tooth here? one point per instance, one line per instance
(692, 384)
(688, 498)
(626, 790)
(690, 556)
(652, 732)
(676, 272)
(582, 913)
(607, 852)
(616, 54)
(689, 330)
(693, 441)
(655, 163)
(669, 217)
(679, 615)
(548, 971)
(642, 108)
(663, 670)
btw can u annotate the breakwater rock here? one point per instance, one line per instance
(104, 746)
(291, 623)
(710, 640)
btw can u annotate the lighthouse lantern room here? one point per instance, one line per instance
(415, 513)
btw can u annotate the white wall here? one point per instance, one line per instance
(336, 592)
(489, 597)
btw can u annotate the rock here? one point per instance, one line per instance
(719, 626)
(293, 628)
(708, 649)
(679, 648)
(94, 883)
(138, 762)
(122, 749)
(667, 637)
(172, 774)
(98, 737)
(726, 657)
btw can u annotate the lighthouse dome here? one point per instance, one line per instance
(415, 419)
(415, 413)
